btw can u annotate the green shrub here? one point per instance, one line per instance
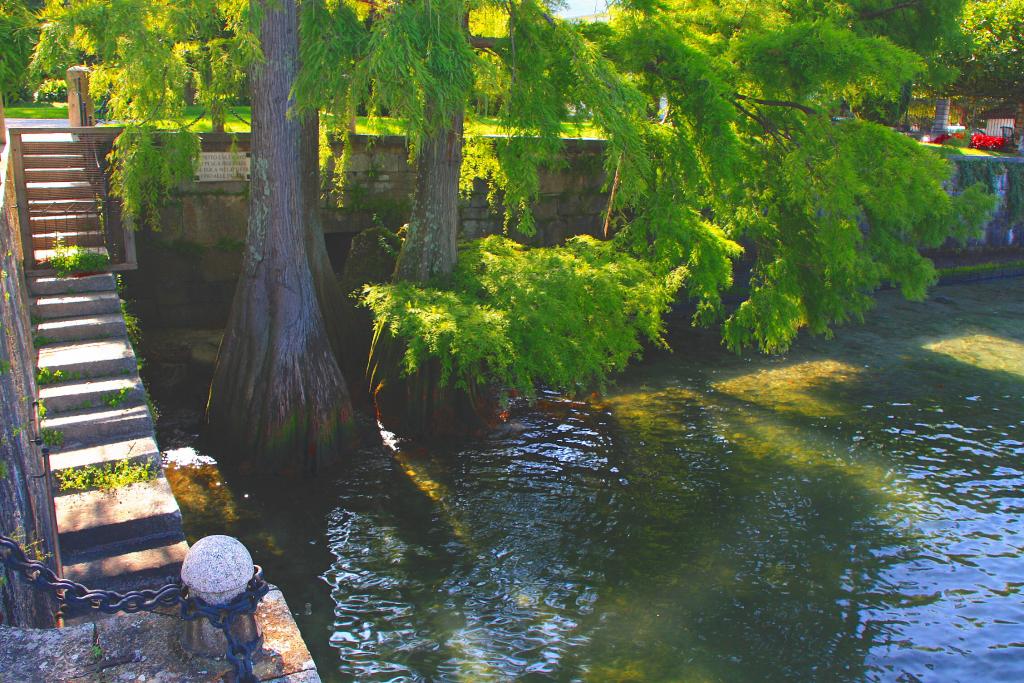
(52, 90)
(46, 376)
(564, 317)
(114, 399)
(72, 259)
(53, 438)
(132, 326)
(105, 477)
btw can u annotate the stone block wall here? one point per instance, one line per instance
(1001, 230)
(188, 267)
(26, 512)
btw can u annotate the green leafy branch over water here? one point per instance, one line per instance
(563, 317)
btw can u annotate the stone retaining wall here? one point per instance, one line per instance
(1001, 231)
(189, 267)
(26, 513)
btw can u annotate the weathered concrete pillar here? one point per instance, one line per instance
(941, 122)
(80, 107)
(216, 570)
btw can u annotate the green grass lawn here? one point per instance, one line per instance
(37, 111)
(238, 119)
(950, 151)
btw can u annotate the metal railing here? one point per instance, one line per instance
(223, 617)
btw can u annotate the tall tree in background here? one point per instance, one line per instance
(745, 158)
(988, 54)
(18, 31)
(278, 397)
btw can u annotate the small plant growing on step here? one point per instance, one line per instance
(104, 477)
(114, 399)
(54, 438)
(68, 260)
(40, 340)
(47, 376)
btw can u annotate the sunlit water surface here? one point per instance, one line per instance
(850, 511)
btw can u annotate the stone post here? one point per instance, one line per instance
(216, 570)
(941, 122)
(80, 108)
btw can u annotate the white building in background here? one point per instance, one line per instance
(1000, 120)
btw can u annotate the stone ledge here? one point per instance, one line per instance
(145, 647)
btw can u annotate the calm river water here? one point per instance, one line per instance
(849, 511)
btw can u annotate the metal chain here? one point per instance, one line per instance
(239, 654)
(76, 595)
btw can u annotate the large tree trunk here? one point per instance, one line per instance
(418, 406)
(217, 118)
(325, 281)
(429, 250)
(278, 397)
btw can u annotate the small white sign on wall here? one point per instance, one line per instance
(222, 166)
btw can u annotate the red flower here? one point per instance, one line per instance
(991, 142)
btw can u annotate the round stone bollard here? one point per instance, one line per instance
(216, 570)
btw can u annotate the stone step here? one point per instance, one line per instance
(90, 359)
(115, 520)
(148, 567)
(138, 450)
(66, 397)
(75, 305)
(82, 428)
(55, 286)
(100, 326)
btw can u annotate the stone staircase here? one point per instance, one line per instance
(130, 537)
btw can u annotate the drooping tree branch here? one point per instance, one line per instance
(885, 11)
(810, 111)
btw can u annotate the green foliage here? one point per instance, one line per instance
(825, 240)
(148, 164)
(513, 315)
(54, 438)
(132, 326)
(988, 52)
(143, 55)
(18, 33)
(811, 58)
(69, 259)
(979, 171)
(104, 477)
(114, 399)
(45, 376)
(42, 340)
(52, 90)
(1015, 192)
